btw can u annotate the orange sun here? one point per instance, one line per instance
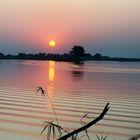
(52, 43)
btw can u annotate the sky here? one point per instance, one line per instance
(110, 27)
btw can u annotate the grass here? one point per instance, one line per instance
(52, 129)
(102, 137)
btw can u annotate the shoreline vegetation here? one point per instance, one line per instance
(64, 57)
(76, 54)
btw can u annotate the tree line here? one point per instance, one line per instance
(77, 53)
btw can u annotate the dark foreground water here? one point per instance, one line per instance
(74, 90)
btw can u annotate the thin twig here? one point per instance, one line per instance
(43, 92)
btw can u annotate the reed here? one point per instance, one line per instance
(44, 93)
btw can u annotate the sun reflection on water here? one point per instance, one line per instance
(51, 70)
(51, 75)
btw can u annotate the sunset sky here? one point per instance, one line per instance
(110, 27)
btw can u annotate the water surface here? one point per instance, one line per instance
(75, 89)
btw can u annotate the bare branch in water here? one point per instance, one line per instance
(85, 127)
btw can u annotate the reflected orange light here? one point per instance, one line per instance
(50, 84)
(51, 70)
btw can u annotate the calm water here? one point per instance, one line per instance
(74, 90)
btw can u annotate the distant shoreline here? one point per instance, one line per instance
(71, 60)
(66, 57)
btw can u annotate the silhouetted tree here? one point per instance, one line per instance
(1, 55)
(42, 54)
(78, 51)
(98, 56)
(21, 54)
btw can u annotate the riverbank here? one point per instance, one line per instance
(66, 57)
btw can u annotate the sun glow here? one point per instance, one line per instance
(52, 43)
